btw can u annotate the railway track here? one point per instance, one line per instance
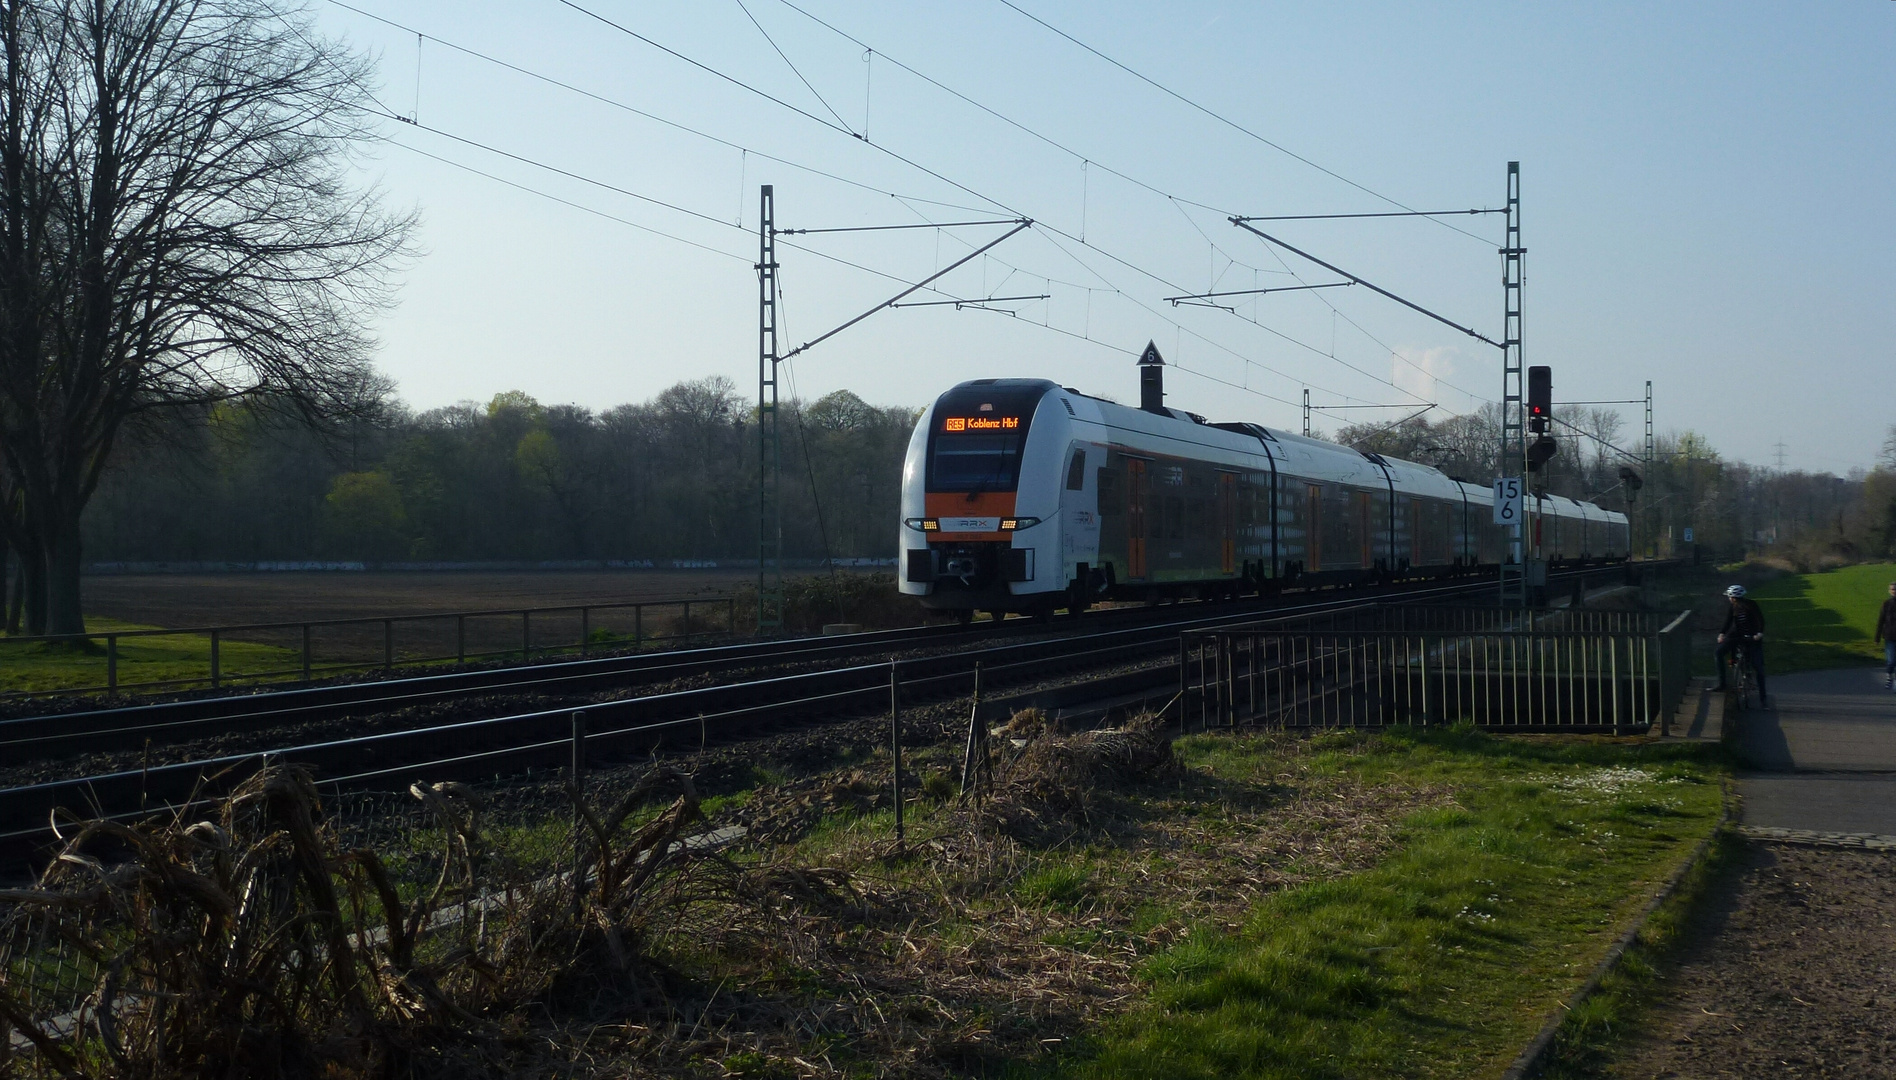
(845, 684)
(131, 727)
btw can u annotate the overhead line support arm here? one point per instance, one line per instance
(888, 228)
(1476, 334)
(1389, 213)
(1020, 223)
(1190, 297)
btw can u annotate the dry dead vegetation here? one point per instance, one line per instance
(253, 943)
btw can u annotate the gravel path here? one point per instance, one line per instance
(1790, 973)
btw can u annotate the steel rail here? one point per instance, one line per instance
(783, 697)
(135, 727)
(495, 745)
(127, 727)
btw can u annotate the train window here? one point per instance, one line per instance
(975, 461)
(977, 434)
(1076, 472)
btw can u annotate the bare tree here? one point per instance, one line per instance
(180, 229)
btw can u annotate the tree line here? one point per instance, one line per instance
(507, 479)
(511, 479)
(1732, 508)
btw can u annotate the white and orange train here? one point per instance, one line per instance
(1022, 495)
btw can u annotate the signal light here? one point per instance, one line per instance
(1540, 398)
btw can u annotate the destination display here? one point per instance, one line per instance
(980, 423)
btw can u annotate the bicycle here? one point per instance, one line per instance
(1738, 678)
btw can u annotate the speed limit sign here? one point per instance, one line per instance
(1508, 499)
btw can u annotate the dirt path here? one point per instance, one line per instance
(1790, 973)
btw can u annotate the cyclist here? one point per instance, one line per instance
(1743, 633)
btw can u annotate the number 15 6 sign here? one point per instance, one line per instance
(1508, 499)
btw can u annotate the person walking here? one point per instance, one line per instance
(1743, 634)
(1886, 633)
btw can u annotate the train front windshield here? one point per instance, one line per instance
(976, 441)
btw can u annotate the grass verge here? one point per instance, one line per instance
(1120, 903)
(1592, 1034)
(38, 666)
(1824, 620)
(1445, 957)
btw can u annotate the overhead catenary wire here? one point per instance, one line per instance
(1628, 455)
(1087, 163)
(1115, 290)
(390, 114)
(1336, 313)
(973, 302)
(1394, 423)
(793, 68)
(569, 174)
(451, 163)
(1176, 300)
(535, 163)
(1377, 214)
(708, 69)
(891, 228)
(1225, 120)
(749, 151)
(1331, 355)
(1412, 305)
(945, 179)
(901, 158)
(1022, 224)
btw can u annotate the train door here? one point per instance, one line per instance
(1313, 543)
(1367, 534)
(1415, 533)
(1138, 487)
(1228, 521)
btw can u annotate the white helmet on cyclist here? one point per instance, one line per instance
(1734, 591)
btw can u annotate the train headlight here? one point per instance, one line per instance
(922, 524)
(1017, 524)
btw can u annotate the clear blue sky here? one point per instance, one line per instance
(1706, 201)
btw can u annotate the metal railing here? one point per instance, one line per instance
(383, 642)
(1618, 671)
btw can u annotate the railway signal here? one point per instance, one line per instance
(1540, 399)
(1539, 451)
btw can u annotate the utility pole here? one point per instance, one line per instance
(1306, 412)
(769, 356)
(1777, 490)
(769, 445)
(1513, 457)
(1651, 519)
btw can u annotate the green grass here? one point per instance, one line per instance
(1446, 957)
(1824, 620)
(34, 666)
(1591, 1034)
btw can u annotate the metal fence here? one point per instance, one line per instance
(1578, 671)
(293, 651)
